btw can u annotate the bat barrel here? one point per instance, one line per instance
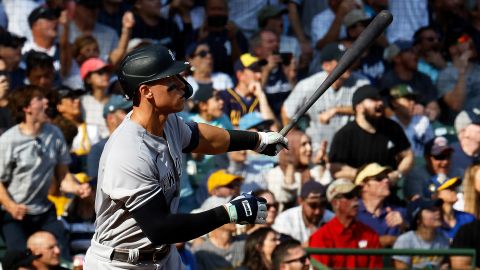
(366, 38)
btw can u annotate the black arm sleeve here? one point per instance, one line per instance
(242, 140)
(162, 227)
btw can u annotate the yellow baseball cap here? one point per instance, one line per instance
(454, 181)
(370, 170)
(221, 178)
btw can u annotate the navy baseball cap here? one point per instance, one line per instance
(116, 102)
(11, 40)
(204, 93)
(364, 92)
(332, 51)
(312, 187)
(414, 209)
(41, 12)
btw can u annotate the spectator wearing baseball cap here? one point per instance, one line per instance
(403, 60)
(95, 74)
(417, 128)
(452, 218)
(248, 95)
(467, 149)
(372, 137)
(344, 230)
(370, 63)
(426, 221)
(374, 210)
(301, 221)
(331, 112)
(435, 167)
(270, 18)
(43, 23)
(114, 111)
(208, 109)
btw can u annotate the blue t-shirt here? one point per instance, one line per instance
(378, 224)
(462, 218)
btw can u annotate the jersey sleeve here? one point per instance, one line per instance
(187, 133)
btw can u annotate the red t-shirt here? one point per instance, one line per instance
(357, 235)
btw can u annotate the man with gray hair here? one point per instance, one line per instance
(467, 150)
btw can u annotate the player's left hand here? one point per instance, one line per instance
(247, 209)
(271, 143)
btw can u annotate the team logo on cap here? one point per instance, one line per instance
(172, 55)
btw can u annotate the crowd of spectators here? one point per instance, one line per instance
(388, 157)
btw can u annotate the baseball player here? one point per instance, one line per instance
(140, 169)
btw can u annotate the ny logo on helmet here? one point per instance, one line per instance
(171, 54)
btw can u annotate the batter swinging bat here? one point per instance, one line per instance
(366, 38)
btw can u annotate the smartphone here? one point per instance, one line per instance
(286, 58)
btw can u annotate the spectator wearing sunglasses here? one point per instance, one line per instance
(428, 45)
(201, 61)
(290, 255)
(301, 221)
(374, 211)
(345, 231)
(436, 169)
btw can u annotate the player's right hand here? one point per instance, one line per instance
(247, 209)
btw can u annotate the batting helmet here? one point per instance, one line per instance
(149, 64)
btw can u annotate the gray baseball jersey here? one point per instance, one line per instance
(134, 167)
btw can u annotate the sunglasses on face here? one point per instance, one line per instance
(315, 205)
(379, 177)
(348, 196)
(302, 259)
(202, 53)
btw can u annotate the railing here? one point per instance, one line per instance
(389, 252)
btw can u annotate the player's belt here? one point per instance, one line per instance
(143, 256)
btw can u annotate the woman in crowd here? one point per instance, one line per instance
(95, 74)
(471, 189)
(201, 61)
(259, 247)
(295, 168)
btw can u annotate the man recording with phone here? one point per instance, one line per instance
(279, 72)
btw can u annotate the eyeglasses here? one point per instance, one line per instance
(202, 53)
(272, 205)
(315, 205)
(302, 259)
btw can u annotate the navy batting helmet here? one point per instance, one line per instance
(149, 64)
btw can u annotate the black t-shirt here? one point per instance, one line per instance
(356, 147)
(165, 33)
(468, 236)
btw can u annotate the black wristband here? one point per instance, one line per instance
(242, 140)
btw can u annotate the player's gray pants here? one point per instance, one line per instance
(98, 258)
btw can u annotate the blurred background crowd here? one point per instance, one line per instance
(388, 157)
